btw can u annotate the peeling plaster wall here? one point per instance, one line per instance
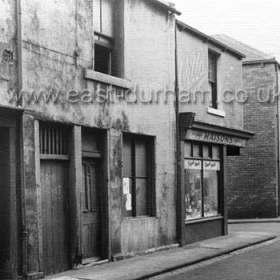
(7, 49)
(193, 77)
(51, 34)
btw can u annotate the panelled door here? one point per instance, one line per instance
(91, 211)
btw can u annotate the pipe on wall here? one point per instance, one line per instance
(23, 233)
(277, 138)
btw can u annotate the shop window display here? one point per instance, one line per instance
(202, 171)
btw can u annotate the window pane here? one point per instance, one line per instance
(140, 159)
(196, 150)
(96, 15)
(107, 17)
(210, 184)
(187, 149)
(206, 153)
(212, 67)
(216, 152)
(193, 194)
(102, 59)
(127, 160)
(141, 197)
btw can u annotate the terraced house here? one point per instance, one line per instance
(100, 160)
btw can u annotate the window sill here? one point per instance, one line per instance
(216, 112)
(107, 79)
(203, 220)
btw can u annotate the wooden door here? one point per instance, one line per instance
(91, 211)
(55, 216)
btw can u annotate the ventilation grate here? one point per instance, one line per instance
(53, 139)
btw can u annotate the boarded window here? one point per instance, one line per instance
(53, 139)
(137, 175)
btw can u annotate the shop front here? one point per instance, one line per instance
(203, 193)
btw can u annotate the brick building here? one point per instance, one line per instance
(254, 175)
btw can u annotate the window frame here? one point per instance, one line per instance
(213, 82)
(103, 40)
(150, 187)
(203, 159)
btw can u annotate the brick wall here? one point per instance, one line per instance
(252, 176)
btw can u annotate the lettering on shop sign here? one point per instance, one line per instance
(213, 137)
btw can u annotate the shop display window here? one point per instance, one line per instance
(202, 166)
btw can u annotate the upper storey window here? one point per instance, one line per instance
(103, 35)
(212, 78)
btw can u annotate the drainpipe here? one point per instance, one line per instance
(19, 49)
(20, 103)
(277, 137)
(178, 145)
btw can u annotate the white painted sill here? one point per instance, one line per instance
(107, 79)
(216, 112)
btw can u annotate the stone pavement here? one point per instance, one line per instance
(143, 267)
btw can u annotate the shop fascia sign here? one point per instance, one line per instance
(215, 137)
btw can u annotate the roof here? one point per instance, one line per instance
(168, 5)
(210, 39)
(251, 53)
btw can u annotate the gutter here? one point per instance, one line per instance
(208, 39)
(167, 5)
(261, 61)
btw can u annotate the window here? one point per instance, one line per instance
(138, 184)
(202, 166)
(212, 78)
(53, 139)
(104, 35)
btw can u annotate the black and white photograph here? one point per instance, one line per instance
(139, 139)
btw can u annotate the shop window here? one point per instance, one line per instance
(202, 177)
(138, 190)
(104, 35)
(212, 78)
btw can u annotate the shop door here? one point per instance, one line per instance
(55, 216)
(91, 211)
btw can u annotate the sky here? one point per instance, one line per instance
(254, 22)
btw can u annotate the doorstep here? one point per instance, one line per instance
(143, 267)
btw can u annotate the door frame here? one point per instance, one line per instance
(11, 119)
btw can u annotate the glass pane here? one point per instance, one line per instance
(96, 15)
(196, 150)
(206, 153)
(140, 158)
(107, 17)
(141, 197)
(193, 192)
(210, 184)
(216, 152)
(187, 150)
(127, 160)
